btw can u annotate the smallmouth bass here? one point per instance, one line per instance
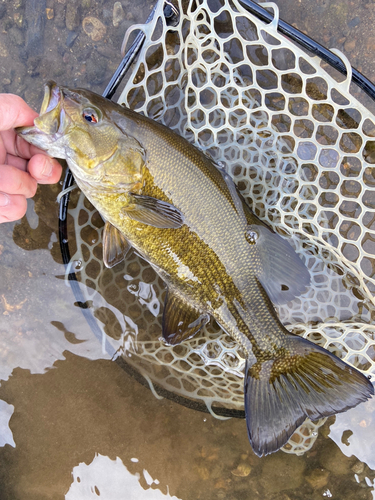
(185, 216)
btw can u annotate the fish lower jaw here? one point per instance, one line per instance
(43, 141)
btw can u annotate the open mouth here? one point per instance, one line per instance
(52, 117)
(52, 97)
(52, 122)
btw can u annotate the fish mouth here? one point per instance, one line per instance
(52, 97)
(52, 120)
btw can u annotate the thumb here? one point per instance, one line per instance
(14, 112)
(44, 169)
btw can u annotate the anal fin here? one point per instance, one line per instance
(181, 321)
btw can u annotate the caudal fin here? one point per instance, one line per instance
(305, 381)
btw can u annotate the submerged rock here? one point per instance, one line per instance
(358, 467)
(50, 14)
(94, 28)
(3, 50)
(3, 10)
(35, 13)
(16, 36)
(242, 470)
(281, 472)
(96, 68)
(118, 14)
(332, 459)
(72, 16)
(318, 478)
(71, 38)
(59, 18)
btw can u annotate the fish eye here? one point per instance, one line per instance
(91, 115)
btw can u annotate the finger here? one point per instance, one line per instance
(17, 162)
(14, 181)
(12, 207)
(44, 169)
(16, 145)
(15, 112)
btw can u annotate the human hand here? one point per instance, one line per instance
(22, 166)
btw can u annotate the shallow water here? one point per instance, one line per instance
(79, 426)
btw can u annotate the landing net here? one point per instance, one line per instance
(301, 149)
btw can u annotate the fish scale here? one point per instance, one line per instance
(188, 179)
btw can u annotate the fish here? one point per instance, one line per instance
(181, 211)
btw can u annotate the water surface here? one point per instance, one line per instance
(73, 424)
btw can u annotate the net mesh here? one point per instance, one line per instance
(301, 149)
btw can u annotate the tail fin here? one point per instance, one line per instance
(305, 381)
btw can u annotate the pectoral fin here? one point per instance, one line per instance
(115, 246)
(181, 321)
(153, 212)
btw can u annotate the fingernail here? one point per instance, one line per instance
(4, 200)
(47, 170)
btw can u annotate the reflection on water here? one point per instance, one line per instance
(110, 479)
(6, 436)
(71, 420)
(360, 422)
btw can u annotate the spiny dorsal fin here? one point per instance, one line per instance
(115, 245)
(181, 321)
